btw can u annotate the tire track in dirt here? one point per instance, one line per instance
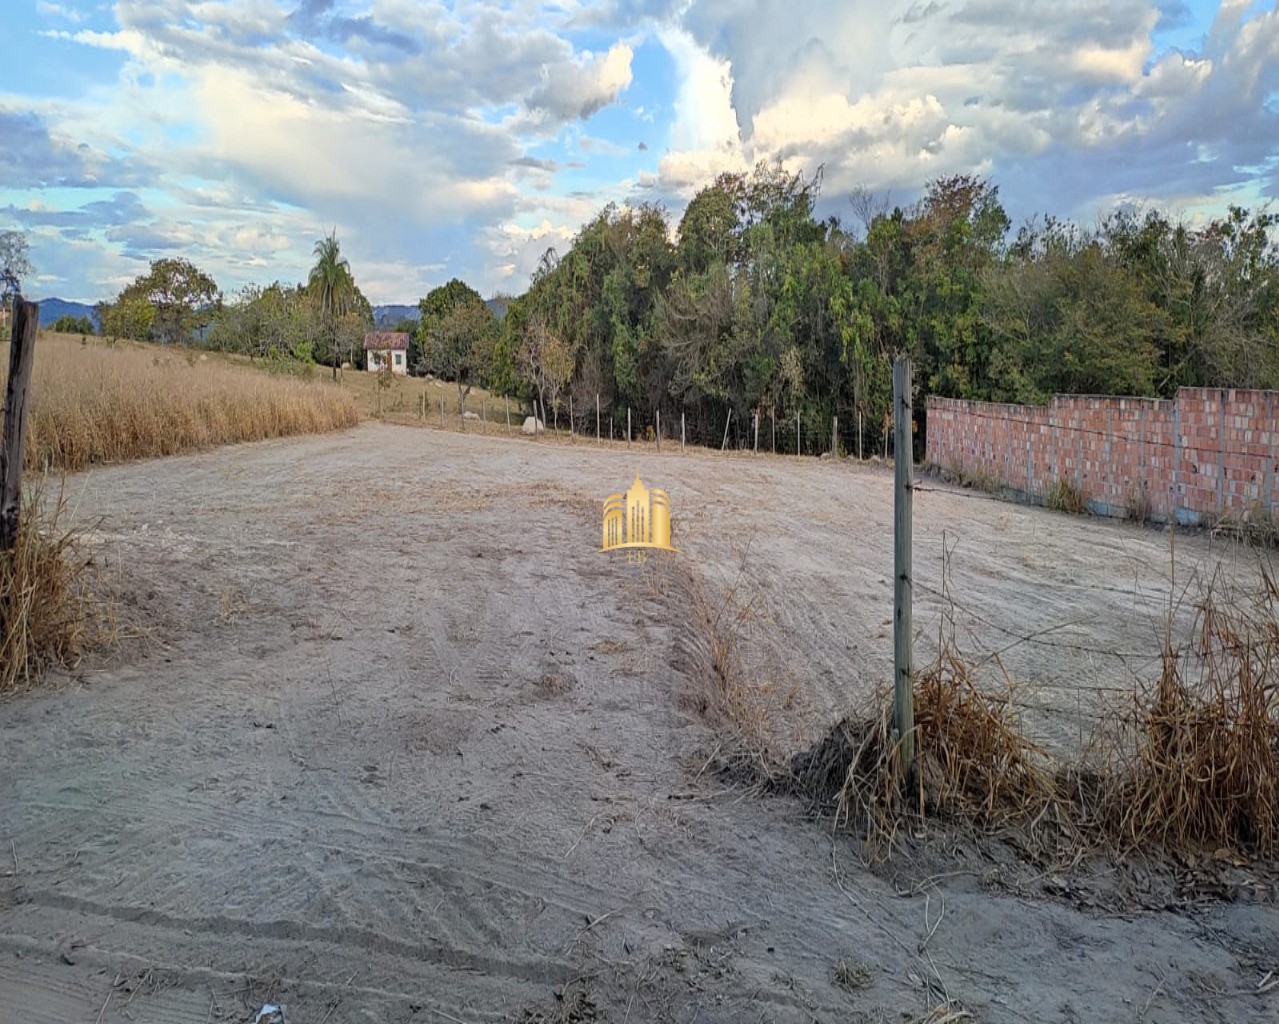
(541, 970)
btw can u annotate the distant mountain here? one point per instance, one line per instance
(54, 309)
(388, 316)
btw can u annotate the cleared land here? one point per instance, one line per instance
(405, 746)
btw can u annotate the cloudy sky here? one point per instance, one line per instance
(446, 139)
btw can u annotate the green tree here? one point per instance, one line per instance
(182, 299)
(456, 336)
(130, 316)
(332, 289)
(68, 324)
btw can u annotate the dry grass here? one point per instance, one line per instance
(94, 404)
(748, 703)
(974, 764)
(1190, 766)
(49, 613)
(1064, 496)
(1194, 765)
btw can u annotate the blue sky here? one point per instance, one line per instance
(444, 139)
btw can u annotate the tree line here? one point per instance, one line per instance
(752, 304)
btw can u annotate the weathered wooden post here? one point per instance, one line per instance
(628, 426)
(727, 420)
(772, 412)
(834, 437)
(659, 430)
(681, 432)
(597, 417)
(570, 414)
(903, 667)
(485, 414)
(26, 322)
(506, 400)
(441, 411)
(757, 430)
(798, 451)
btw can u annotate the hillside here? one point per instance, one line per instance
(54, 308)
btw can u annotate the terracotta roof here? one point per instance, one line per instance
(380, 341)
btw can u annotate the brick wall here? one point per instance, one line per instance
(1208, 452)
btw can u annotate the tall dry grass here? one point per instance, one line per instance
(1187, 765)
(50, 614)
(1194, 763)
(95, 404)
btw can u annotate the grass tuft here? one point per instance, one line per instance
(1194, 765)
(50, 615)
(1063, 496)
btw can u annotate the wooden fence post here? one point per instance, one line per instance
(659, 430)
(797, 437)
(485, 407)
(597, 417)
(757, 430)
(570, 414)
(834, 437)
(441, 410)
(681, 432)
(903, 500)
(26, 322)
(628, 426)
(772, 412)
(727, 420)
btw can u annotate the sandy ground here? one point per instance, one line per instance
(406, 747)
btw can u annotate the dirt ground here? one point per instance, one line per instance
(404, 746)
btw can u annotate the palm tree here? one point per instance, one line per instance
(332, 287)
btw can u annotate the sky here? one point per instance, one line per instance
(463, 139)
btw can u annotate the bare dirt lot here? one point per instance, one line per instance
(405, 747)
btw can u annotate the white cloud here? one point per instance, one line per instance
(585, 86)
(442, 138)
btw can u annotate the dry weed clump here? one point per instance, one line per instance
(95, 404)
(49, 613)
(1194, 765)
(1063, 496)
(973, 762)
(739, 698)
(1189, 766)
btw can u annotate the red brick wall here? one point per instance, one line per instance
(1208, 452)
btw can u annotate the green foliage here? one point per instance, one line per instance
(180, 296)
(73, 325)
(344, 313)
(456, 336)
(761, 306)
(130, 316)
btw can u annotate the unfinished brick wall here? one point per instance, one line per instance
(1209, 452)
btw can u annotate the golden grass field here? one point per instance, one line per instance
(91, 403)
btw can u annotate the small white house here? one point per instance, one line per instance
(382, 347)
